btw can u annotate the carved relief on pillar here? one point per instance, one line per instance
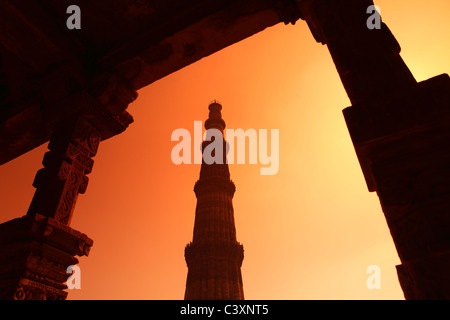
(29, 290)
(63, 177)
(35, 252)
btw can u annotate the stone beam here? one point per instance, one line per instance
(42, 82)
(141, 63)
(35, 124)
(38, 42)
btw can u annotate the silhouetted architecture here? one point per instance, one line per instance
(72, 88)
(214, 257)
(37, 249)
(400, 130)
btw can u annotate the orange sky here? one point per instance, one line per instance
(308, 232)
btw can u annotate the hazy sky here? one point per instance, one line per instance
(309, 232)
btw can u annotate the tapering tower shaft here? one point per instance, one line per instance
(214, 257)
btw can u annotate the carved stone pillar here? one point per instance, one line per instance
(404, 150)
(63, 177)
(36, 250)
(400, 130)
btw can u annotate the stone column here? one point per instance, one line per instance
(63, 177)
(36, 250)
(404, 150)
(400, 130)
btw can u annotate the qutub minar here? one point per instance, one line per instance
(214, 257)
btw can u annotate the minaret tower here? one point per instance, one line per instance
(214, 257)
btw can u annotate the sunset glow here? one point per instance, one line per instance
(309, 232)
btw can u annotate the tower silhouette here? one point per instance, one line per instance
(214, 257)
